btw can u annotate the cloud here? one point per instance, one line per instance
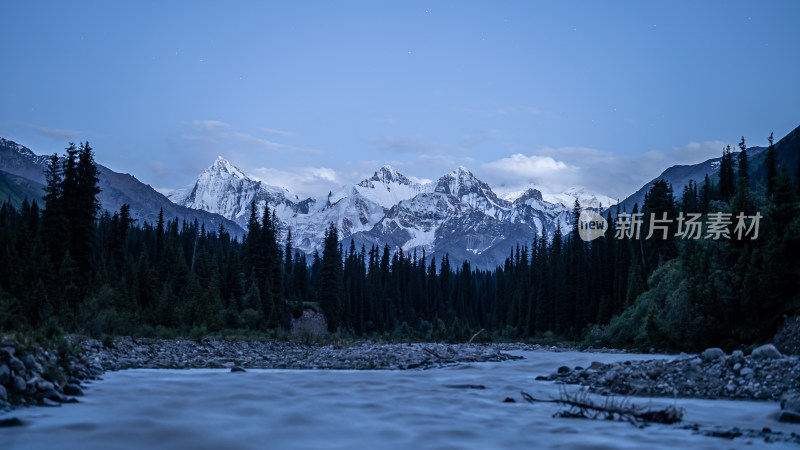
(263, 143)
(532, 166)
(597, 170)
(277, 132)
(536, 111)
(54, 133)
(405, 144)
(518, 171)
(304, 181)
(208, 125)
(219, 138)
(696, 152)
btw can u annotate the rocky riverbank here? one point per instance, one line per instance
(765, 374)
(127, 353)
(40, 375)
(50, 376)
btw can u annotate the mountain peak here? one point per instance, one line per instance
(387, 172)
(222, 166)
(458, 182)
(19, 148)
(386, 175)
(529, 194)
(461, 170)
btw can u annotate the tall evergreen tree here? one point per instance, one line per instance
(331, 281)
(771, 165)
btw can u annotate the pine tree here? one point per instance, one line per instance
(54, 220)
(82, 208)
(706, 195)
(331, 283)
(658, 248)
(771, 165)
(727, 175)
(743, 201)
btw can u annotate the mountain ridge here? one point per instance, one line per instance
(457, 214)
(116, 189)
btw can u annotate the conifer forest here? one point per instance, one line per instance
(69, 266)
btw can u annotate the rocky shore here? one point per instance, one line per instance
(765, 374)
(49, 377)
(127, 353)
(35, 375)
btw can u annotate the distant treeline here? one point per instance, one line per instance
(68, 266)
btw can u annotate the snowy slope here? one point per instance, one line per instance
(387, 187)
(587, 198)
(224, 189)
(458, 214)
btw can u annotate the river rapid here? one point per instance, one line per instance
(420, 409)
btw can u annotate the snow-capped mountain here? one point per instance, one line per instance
(587, 198)
(457, 214)
(224, 189)
(462, 184)
(387, 187)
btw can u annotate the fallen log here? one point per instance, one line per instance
(580, 405)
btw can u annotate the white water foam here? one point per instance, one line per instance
(216, 409)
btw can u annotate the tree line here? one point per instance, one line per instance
(71, 266)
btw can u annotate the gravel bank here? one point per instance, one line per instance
(127, 353)
(765, 374)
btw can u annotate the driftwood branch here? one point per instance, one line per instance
(452, 357)
(580, 405)
(475, 335)
(435, 354)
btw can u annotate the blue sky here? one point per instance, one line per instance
(312, 95)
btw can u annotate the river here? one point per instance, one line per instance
(415, 409)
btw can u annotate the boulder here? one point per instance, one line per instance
(611, 375)
(5, 374)
(563, 370)
(791, 401)
(19, 383)
(237, 369)
(596, 365)
(766, 351)
(51, 394)
(30, 361)
(713, 354)
(737, 357)
(10, 422)
(789, 416)
(16, 365)
(48, 402)
(72, 389)
(44, 385)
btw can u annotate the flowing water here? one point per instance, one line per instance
(216, 409)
